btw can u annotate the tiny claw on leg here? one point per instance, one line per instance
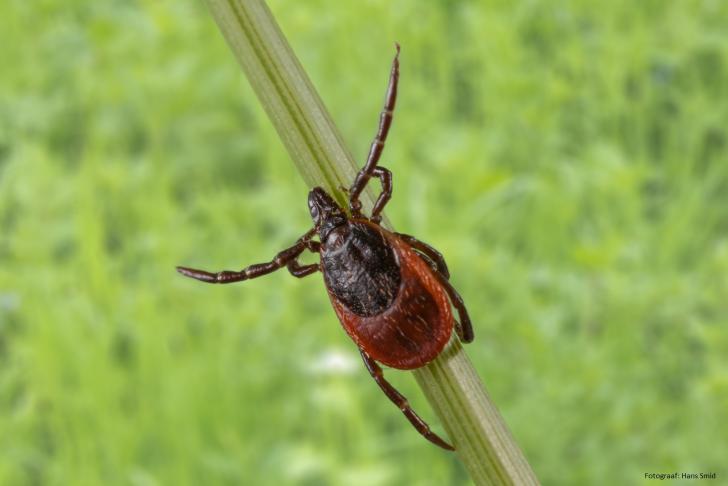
(437, 440)
(199, 274)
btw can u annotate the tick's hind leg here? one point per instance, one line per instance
(398, 399)
(375, 151)
(258, 270)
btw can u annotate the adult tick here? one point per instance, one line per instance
(390, 290)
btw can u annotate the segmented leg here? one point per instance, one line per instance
(385, 176)
(300, 271)
(258, 270)
(464, 328)
(398, 399)
(434, 255)
(375, 151)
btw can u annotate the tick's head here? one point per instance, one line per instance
(325, 213)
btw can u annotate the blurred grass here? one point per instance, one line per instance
(569, 159)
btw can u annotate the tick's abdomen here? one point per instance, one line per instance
(360, 269)
(401, 319)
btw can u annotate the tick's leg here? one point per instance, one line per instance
(253, 271)
(399, 400)
(385, 176)
(434, 255)
(464, 328)
(300, 271)
(375, 151)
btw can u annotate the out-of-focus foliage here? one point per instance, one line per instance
(569, 159)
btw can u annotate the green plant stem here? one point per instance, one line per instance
(481, 436)
(483, 441)
(286, 93)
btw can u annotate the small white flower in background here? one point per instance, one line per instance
(333, 362)
(9, 301)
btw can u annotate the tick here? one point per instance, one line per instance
(390, 291)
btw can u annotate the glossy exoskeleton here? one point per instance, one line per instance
(390, 291)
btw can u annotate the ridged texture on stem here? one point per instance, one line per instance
(480, 435)
(483, 441)
(286, 94)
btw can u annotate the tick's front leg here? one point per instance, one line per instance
(375, 151)
(281, 260)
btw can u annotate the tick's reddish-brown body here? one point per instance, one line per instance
(390, 291)
(414, 327)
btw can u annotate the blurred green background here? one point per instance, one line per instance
(568, 158)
